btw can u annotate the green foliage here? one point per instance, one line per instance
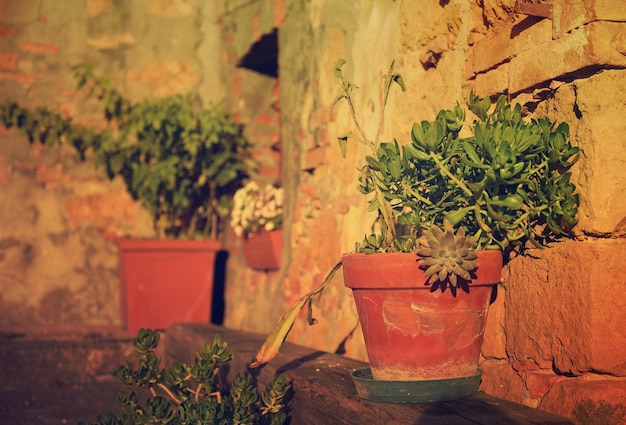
(588, 412)
(181, 162)
(193, 393)
(504, 179)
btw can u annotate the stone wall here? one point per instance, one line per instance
(553, 334)
(553, 339)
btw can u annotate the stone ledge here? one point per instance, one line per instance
(578, 310)
(325, 393)
(61, 356)
(533, 57)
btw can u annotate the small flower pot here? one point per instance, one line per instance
(263, 249)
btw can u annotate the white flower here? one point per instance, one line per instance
(255, 209)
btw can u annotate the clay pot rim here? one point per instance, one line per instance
(141, 244)
(399, 270)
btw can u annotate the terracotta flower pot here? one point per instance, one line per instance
(410, 332)
(263, 250)
(165, 281)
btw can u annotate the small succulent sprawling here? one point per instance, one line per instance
(186, 394)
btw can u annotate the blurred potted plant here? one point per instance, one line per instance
(452, 205)
(257, 217)
(183, 164)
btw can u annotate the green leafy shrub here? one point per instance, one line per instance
(183, 163)
(504, 179)
(193, 393)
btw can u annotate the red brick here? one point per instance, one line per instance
(9, 61)
(38, 48)
(323, 137)
(265, 137)
(269, 119)
(7, 31)
(236, 82)
(539, 383)
(276, 92)
(50, 176)
(322, 116)
(315, 157)
(256, 32)
(20, 78)
(109, 210)
(279, 13)
(309, 191)
(271, 173)
(1, 169)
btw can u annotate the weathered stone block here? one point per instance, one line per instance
(19, 11)
(533, 57)
(569, 395)
(501, 380)
(98, 7)
(500, 46)
(573, 14)
(494, 342)
(584, 47)
(600, 135)
(566, 307)
(492, 82)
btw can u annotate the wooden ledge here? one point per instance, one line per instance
(325, 393)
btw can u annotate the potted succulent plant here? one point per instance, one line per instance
(453, 205)
(257, 217)
(183, 164)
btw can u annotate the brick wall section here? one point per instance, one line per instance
(57, 207)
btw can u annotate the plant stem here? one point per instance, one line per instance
(451, 176)
(386, 91)
(169, 393)
(415, 194)
(197, 396)
(217, 395)
(366, 141)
